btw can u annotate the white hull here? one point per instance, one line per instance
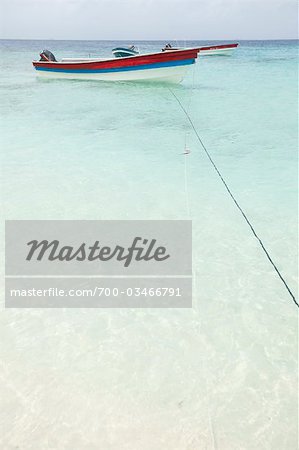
(218, 51)
(173, 74)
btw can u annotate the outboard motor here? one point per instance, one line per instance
(46, 55)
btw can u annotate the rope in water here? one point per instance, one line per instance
(234, 199)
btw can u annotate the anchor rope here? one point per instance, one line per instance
(234, 199)
(186, 152)
(186, 189)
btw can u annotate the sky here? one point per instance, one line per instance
(148, 19)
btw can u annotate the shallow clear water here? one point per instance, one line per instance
(220, 376)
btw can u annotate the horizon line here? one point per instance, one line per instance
(152, 40)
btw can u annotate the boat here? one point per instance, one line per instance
(170, 66)
(223, 49)
(122, 52)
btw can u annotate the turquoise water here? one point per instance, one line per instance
(220, 376)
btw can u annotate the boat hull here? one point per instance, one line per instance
(170, 67)
(168, 75)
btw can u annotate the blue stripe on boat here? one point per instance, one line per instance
(184, 62)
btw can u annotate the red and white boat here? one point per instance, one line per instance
(170, 66)
(221, 49)
(224, 49)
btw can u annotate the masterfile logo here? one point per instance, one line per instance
(140, 250)
(60, 263)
